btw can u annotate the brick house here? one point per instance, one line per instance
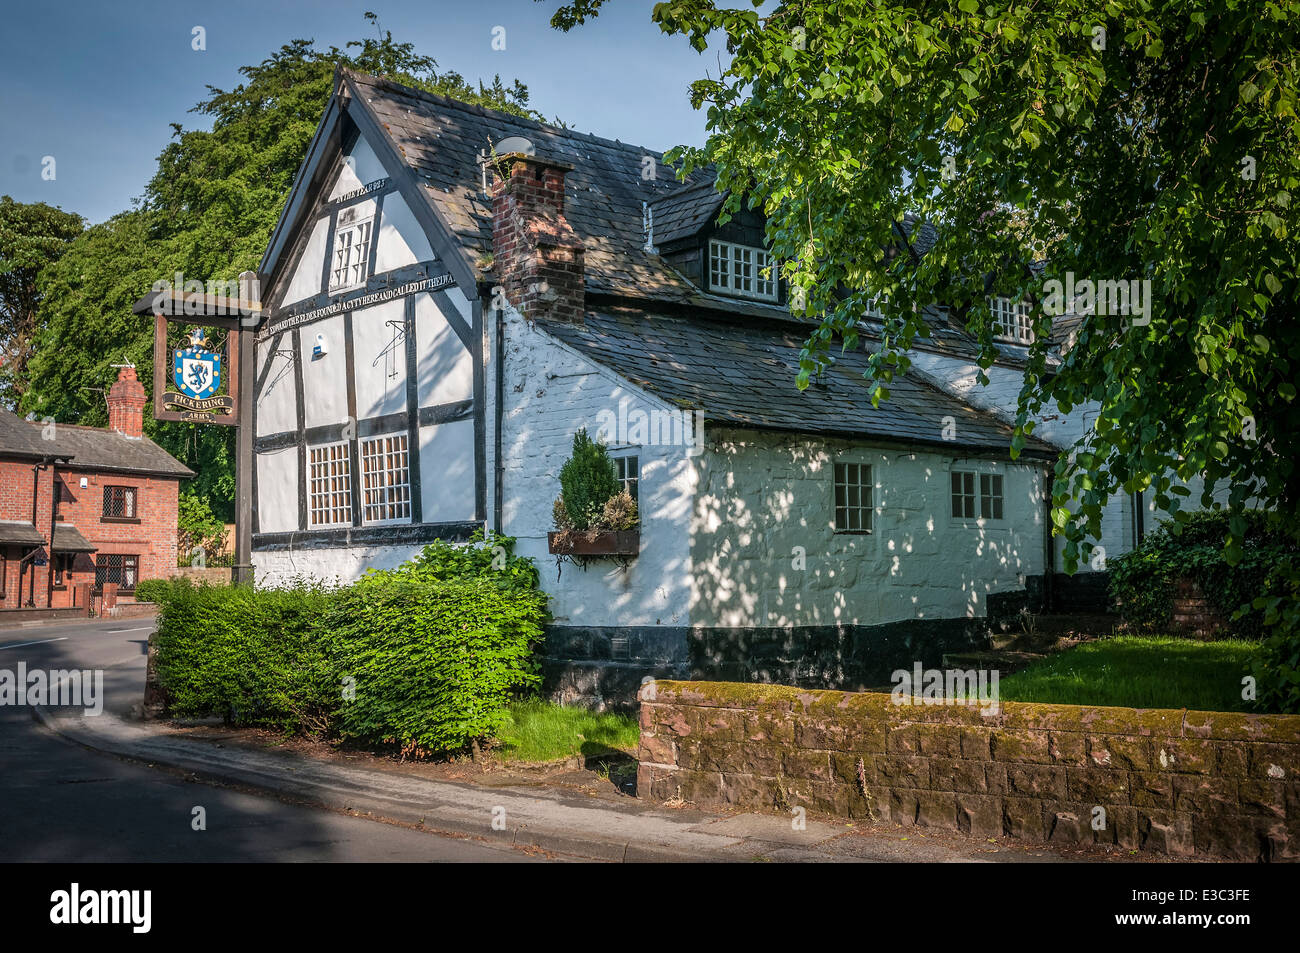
(107, 497)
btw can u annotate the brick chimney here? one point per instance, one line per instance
(537, 254)
(126, 402)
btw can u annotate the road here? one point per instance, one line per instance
(62, 802)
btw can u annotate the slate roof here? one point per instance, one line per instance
(672, 338)
(95, 448)
(742, 373)
(18, 533)
(17, 439)
(440, 139)
(68, 539)
(685, 212)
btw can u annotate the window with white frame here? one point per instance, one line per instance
(329, 485)
(976, 495)
(628, 468)
(742, 270)
(852, 497)
(351, 253)
(385, 479)
(1011, 321)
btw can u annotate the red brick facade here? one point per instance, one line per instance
(149, 536)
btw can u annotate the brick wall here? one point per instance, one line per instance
(1173, 782)
(152, 537)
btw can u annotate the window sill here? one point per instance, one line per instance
(119, 519)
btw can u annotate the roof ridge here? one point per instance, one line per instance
(452, 102)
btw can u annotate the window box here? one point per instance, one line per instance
(625, 542)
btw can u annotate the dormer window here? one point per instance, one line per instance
(1011, 321)
(742, 270)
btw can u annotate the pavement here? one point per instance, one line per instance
(291, 793)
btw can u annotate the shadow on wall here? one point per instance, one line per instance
(778, 595)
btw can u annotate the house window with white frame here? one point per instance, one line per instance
(742, 270)
(852, 497)
(976, 495)
(1011, 321)
(627, 467)
(385, 479)
(351, 262)
(329, 485)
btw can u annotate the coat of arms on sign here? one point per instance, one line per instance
(196, 370)
(196, 375)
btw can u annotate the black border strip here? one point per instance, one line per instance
(347, 536)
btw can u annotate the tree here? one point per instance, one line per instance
(31, 237)
(1117, 140)
(208, 213)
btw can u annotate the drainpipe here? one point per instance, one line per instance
(1049, 544)
(54, 510)
(498, 414)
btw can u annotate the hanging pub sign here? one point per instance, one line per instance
(196, 372)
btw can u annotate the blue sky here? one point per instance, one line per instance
(96, 85)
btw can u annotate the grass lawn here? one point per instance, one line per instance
(542, 731)
(1139, 672)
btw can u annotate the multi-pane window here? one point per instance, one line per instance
(991, 496)
(351, 253)
(742, 270)
(385, 479)
(329, 485)
(629, 474)
(976, 495)
(1011, 320)
(119, 503)
(852, 497)
(124, 571)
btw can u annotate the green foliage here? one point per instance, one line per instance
(207, 213)
(423, 658)
(197, 528)
(31, 237)
(1143, 581)
(435, 661)
(1277, 672)
(492, 558)
(587, 481)
(1139, 672)
(253, 656)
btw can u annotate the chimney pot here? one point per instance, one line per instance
(126, 400)
(538, 257)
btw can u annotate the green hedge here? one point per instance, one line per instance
(423, 658)
(1142, 582)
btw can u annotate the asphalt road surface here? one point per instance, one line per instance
(62, 802)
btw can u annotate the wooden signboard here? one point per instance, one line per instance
(188, 382)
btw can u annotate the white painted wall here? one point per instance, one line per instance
(447, 472)
(324, 378)
(763, 496)
(360, 167)
(379, 349)
(277, 490)
(328, 565)
(960, 377)
(276, 408)
(550, 392)
(402, 240)
(309, 273)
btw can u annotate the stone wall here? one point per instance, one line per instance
(1167, 781)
